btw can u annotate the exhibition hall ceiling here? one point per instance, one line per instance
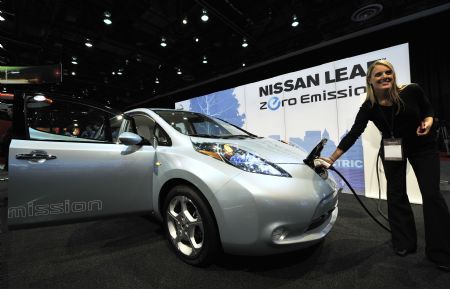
(128, 63)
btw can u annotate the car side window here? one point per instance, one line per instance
(61, 120)
(162, 137)
(144, 127)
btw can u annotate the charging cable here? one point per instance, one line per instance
(379, 187)
(320, 166)
(359, 200)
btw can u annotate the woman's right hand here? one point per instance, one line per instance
(327, 160)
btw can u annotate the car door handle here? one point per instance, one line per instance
(35, 156)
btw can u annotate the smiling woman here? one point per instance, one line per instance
(404, 116)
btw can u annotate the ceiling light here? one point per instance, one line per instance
(205, 16)
(1, 46)
(74, 60)
(113, 73)
(244, 43)
(39, 97)
(179, 71)
(156, 80)
(74, 73)
(107, 18)
(196, 39)
(88, 42)
(120, 72)
(243, 64)
(295, 22)
(184, 21)
(163, 42)
(205, 60)
(1, 16)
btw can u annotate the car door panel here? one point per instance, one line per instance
(82, 180)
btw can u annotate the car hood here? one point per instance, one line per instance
(269, 149)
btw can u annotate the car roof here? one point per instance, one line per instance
(72, 98)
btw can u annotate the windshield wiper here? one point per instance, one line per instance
(205, 135)
(237, 136)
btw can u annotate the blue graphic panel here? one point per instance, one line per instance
(222, 104)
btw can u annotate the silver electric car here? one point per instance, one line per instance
(214, 186)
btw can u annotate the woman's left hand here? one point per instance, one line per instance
(425, 126)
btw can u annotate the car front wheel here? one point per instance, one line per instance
(189, 226)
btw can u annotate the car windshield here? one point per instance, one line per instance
(196, 124)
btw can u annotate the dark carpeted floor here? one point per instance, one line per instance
(131, 253)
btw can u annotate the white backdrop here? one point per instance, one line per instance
(304, 106)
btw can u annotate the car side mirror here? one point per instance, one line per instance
(129, 138)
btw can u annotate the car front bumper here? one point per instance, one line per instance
(263, 215)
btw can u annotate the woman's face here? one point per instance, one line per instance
(381, 78)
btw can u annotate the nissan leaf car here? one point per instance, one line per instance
(214, 186)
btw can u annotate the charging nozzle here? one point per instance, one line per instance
(313, 161)
(315, 153)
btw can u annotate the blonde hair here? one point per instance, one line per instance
(394, 91)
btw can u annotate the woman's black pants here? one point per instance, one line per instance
(426, 166)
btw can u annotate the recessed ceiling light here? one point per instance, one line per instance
(1, 16)
(205, 59)
(204, 16)
(295, 22)
(179, 71)
(244, 43)
(107, 18)
(163, 42)
(196, 39)
(184, 21)
(156, 80)
(74, 60)
(88, 42)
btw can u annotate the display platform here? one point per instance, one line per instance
(131, 252)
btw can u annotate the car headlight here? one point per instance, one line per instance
(240, 158)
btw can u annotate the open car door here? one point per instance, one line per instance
(67, 164)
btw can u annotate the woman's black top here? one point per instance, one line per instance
(415, 108)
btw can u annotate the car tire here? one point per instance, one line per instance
(189, 226)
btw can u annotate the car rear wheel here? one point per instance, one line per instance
(189, 226)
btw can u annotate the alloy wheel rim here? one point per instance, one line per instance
(185, 226)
